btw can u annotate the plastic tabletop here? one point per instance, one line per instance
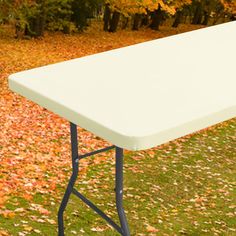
(146, 94)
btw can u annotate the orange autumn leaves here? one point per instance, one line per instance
(142, 6)
(229, 5)
(34, 143)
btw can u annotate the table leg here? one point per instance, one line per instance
(123, 229)
(69, 189)
(119, 192)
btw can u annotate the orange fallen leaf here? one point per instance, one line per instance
(152, 229)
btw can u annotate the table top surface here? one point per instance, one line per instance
(146, 94)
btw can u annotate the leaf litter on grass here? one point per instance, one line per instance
(35, 146)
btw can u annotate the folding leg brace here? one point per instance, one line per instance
(124, 228)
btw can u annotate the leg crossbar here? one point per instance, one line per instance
(95, 152)
(124, 228)
(98, 211)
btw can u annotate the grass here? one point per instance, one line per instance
(183, 188)
(186, 187)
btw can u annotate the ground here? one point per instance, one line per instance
(185, 187)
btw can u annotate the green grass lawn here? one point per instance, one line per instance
(183, 188)
(186, 187)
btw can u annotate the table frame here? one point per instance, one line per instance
(124, 228)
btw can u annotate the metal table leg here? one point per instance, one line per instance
(124, 228)
(119, 192)
(75, 170)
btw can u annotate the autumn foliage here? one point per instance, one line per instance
(32, 17)
(34, 143)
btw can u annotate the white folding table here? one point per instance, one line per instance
(138, 97)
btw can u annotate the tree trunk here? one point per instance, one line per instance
(80, 14)
(233, 17)
(206, 18)
(125, 22)
(156, 18)
(197, 19)
(35, 27)
(178, 19)
(114, 21)
(217, 18)
(145, 20)
(19, 29)
(185, 18)
(137, 20)
(106, 18)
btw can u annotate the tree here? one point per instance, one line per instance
(229, 7)
(140, 9)
(178, 17)
(107, 17)
(82, 10)
(198, 12)
(32, 17)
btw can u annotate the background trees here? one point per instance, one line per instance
(32, 17)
